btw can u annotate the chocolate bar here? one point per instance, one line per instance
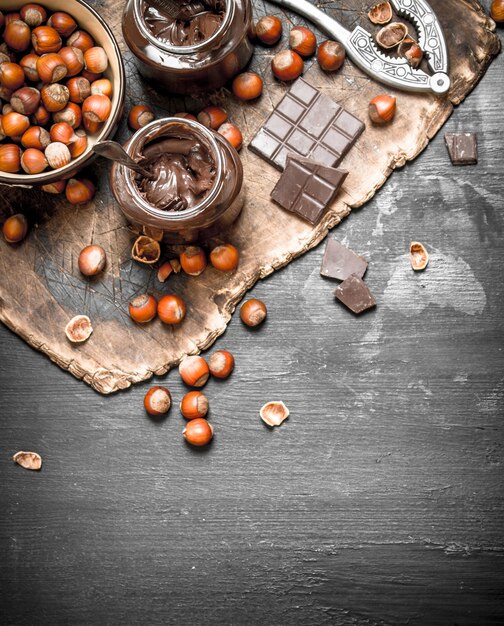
(307, 188)
(355, 295)
(307, 123)
(340, 262)
(462, 148)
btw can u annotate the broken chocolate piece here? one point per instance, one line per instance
(340, 262)
(307, 188)
(307, 123)
(355, 295)
(462, 148)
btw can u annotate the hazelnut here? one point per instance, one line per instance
(15, 124)
(29, 65)
(33, 161)
(41, 117)
(57, 155)
(36, 137)
(63, 23)
(95, 60)
(274, 413)
(303, 41)
(194, 404)
(25, 100)
(382, 109)
(71, 114)
(268, 29)
(79, 145)
(10, 158)
(225, 257)
(380, 13)
(80, 39)
(92, 260)
(143, 308)
(102, 86)
(79, 329)
(411, 51)
(33, 14)
(193, 260)
(17, 35)
(198, 432)
(186, 116)
(171, 309)
(330, 55)
(12, 76)
(212, 117)
(253, 312)
(247, 86)
(194, 371)
(15, 228)
(55, 188)
(221, 364)
(79, 191)
(28, 460)
(146, 250)
(54, 97)
(419, 257)
(391, 35)
(73, 59)
(157, 401)
(232, 134)
(96, 108)
(140, 115)
(45, 39)
(497, 10)
(63, 132)
(51, 67)
(287, 65)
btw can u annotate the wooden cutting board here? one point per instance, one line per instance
(41, 287)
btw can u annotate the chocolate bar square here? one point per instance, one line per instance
(355, 294)
(462, 148)
(308, 123)
(340, 262)
(307, 187)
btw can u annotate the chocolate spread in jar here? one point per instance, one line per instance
(184, 173)
(197, 22)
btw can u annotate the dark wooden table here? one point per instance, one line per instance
(380, 500)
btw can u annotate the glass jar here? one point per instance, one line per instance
(190, 69)
(217, 210)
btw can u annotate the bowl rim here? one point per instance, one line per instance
(21, 179)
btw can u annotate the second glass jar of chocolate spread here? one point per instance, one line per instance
(200, 49)
(194, 188)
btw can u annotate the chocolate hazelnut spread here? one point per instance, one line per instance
(184, 173)
(197, 22)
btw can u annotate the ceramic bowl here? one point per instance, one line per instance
(88, 20)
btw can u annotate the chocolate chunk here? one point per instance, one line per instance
(307, 123)
(355, 295)
(340, 262)
(307, 188)
(462, 148)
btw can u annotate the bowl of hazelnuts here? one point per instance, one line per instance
(62, 87)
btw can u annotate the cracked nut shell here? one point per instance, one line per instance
(79, 329)
(274, 413)
(419, 257)
(380, 13)
(391, 35)
(28, 460)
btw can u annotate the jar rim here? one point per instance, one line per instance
(203, 45)
(138, 141)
